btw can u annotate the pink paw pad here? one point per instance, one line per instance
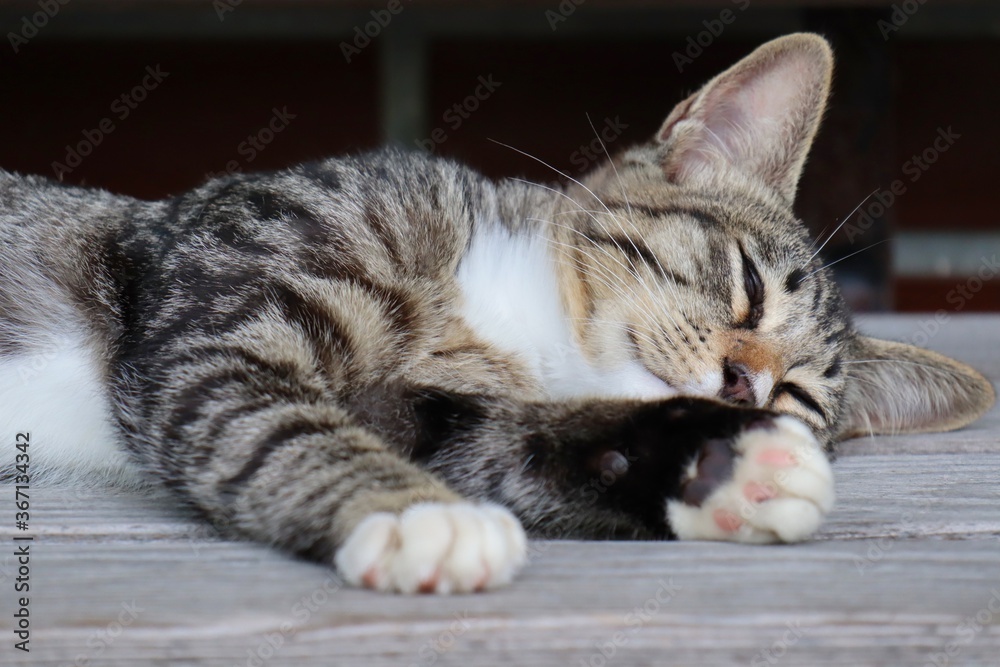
(756, 492)
(781, 458)
(727, 521)
(371, 578)
(428, 585)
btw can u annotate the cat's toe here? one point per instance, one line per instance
(773, 483)
(435, 548)
(364, 557)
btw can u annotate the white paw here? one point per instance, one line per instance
(434, 548)
(780, 490)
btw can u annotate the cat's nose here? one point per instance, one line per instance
(736, 385)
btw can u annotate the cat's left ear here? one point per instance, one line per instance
(758, 117)
(898, 388)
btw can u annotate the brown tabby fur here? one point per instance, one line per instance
(286, 352)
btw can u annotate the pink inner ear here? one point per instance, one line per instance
(749, 117)
(750, 120)
(773, 92)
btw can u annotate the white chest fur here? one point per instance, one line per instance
(512, 300)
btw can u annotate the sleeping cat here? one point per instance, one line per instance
(392, 364)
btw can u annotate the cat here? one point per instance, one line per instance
(390, 364)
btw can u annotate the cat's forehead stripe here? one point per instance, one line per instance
(698, 214)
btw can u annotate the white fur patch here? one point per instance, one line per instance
(708, 384)
(57, 394)
(434, 548)
(763, 383)
(512, 300)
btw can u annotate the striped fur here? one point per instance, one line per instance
(296, 352)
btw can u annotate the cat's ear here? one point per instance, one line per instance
(758, 117)
(898, 388)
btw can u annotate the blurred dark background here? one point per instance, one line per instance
(149, 98)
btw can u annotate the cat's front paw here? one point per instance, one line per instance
(434, 548)
(771, 483)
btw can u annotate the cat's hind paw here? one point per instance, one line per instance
(434, 548)
(772, 483)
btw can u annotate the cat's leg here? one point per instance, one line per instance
(267, 451)
(262, 448)
(687, 468)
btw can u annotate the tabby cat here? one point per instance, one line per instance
(391, 364)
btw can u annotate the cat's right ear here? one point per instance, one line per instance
(899, 388)
(758, 118)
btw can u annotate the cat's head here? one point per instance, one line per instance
(685, 254)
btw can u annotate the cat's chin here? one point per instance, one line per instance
(707, 386)
(634, 381)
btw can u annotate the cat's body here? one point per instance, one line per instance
(330, 358)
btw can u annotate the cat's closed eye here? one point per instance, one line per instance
(754, 288)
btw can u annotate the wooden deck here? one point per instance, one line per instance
(905, 572)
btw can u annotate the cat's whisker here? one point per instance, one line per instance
(837, 261)
(577, 182)
(636, 298)
(645, 336)
(818, 236)
(634, 271)
(581, 210)
(628, 327)
(563, 174)
(643, 282)
(842, 223)
(645, 314)
(565, 248)
(631, 270)
(628, 206)
(579, 207)
(618, 289)
(946, 371)
(631, 332)
(556, 191)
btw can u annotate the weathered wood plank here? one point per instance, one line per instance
(729, 602)
(910, 554)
